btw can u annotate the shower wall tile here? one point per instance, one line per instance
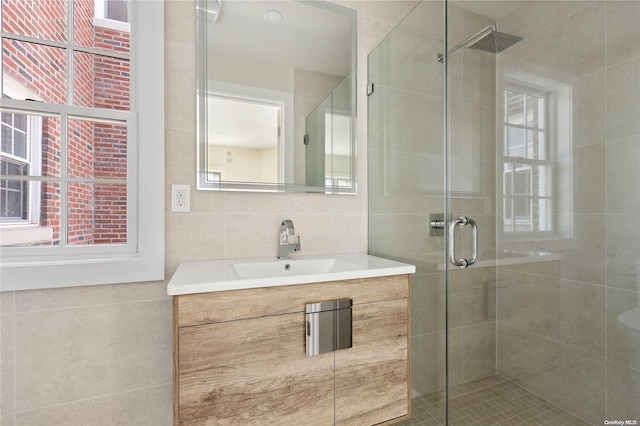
(623, 251)
(546, 53)
(479, 77)
(578, 384)
(6, 302)
(581, 322)
(623, 31)
(623, 392)
(428, 311)
(479, 305)
(478, 351)
(623, 181)
(455, 348)
(428, 352)
(409, 57)
(427, 18)
(403, 237)
(478, 134)
(529, 303)
(589, 181)
(589, 109)
(623, 99)
(585, 259)
(623, 342)
(144, 407)
(7, 420)
(411, 122)
(526, 358)
(533, 17)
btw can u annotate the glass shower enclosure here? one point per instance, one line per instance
(504, 168)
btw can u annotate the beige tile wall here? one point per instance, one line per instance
(101, 355)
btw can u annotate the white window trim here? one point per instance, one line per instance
(559, 121)
(146, 261)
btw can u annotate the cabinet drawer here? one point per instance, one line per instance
(205, 308)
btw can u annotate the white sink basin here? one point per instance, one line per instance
(220, 275)
(268, 269)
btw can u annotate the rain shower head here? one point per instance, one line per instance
(494, 41)
(488, 39)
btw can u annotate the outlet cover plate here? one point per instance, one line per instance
(180, 198)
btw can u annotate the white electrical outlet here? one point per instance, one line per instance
(180, 198)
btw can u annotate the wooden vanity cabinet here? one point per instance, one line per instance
(239, 357)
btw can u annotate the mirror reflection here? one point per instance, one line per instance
(276, 96)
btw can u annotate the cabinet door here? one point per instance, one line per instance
(253, 372)
(372, 377)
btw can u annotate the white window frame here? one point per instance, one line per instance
(142, 258)
(558, 119)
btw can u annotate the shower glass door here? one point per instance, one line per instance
(543, 146)
(537, 142)
(406, 170)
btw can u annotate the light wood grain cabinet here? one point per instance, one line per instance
(239, 357)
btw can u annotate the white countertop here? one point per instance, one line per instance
(220, 275)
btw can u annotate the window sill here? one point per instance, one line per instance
(24, 234)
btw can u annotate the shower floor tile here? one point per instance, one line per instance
(488, 401)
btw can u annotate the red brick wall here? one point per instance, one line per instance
(96, 213)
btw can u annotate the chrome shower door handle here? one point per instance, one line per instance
(462, 221)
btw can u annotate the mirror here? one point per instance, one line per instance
(276, 96)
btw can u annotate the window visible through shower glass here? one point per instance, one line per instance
(527, 163)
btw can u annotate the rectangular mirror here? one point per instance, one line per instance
(276, 96)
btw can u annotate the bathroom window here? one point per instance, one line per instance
(527, 163)
(536, 177)
(81, 143)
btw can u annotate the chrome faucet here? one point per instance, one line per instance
(288, 240)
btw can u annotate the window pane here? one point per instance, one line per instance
(101, 82)
(46, 20)
(39, 70)
(7, 137)
(515, 142)
(14, 194)
(97, 214)
(118, 10)
(90, 33)
(521, 211)
(111, 214)
(522, 180)
(515, 108)
(533, 111)
(97, 149)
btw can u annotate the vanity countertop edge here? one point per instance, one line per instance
(221, 275)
